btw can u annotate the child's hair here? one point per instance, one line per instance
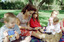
(54, 12)
(36, 17)
(56, 20)
(17, 21)
(8, 15)
(29, 7)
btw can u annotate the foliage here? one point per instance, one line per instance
(43, 15)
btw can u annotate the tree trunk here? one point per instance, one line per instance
(35, 3)
(40, 4)
(30, 2)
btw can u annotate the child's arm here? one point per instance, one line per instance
(6, 39)
(17, 35)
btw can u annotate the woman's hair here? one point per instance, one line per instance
(56, 20)
(29, 7)
(36, 17)
(54, 12)
(8, 15)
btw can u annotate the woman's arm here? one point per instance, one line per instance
(28, 28)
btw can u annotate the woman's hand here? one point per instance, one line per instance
(37, 28)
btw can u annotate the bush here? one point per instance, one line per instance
(11, 5)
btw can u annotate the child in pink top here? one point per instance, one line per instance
(53, 14)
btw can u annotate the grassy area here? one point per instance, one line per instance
(43, 15)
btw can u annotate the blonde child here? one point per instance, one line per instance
(53, 14)
(55, 29)
(10, 25)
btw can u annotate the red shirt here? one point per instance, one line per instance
(34, 23)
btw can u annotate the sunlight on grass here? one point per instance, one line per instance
(43, 15)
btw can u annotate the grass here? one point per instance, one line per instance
(43, 15)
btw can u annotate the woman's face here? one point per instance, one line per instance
(35, 15)
(29, 13)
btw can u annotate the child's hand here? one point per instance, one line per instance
(5, 34)
(20, 27)
(16, 33)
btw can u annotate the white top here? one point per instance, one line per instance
(50, 20)
(54, 28)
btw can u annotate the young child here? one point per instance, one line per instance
(62, 28)
(55, 29)
(10, 31)
(34, 21)
(9, 20)
(53, 14)
(62, 25)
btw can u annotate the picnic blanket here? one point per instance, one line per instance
(62, 38)
(34, 39)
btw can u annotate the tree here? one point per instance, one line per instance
(37, 3)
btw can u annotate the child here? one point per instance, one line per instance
(62, 25)
(10, 31)
(62, 28)
(10, 25)
(55, 29)
(53, 14)
(35, 24)
(34, 21)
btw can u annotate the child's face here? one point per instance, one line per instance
(35, 15)
(11, 23)
(55, 14)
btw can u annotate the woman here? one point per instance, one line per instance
(24, 17)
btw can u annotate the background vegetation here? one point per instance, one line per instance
(45, 7)
(39, 4)
(43, 15)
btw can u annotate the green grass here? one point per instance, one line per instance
(43, 15)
